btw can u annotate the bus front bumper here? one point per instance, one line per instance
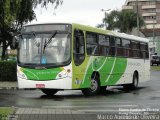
(64, 83)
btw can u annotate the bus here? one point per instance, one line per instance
(61, 56)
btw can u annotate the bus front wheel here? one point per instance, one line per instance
(94, 87)
(49, 92)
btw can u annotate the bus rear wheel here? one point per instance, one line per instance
(135, 81)
(133, 85)
(94, 87)
(49, 92)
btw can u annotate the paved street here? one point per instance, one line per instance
(147, 96)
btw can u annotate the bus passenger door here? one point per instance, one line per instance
(78, 58)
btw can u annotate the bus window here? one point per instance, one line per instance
(79, 51)
(112, 49)
(92, 44)
(147, 52)
(127, 47)
(136, 49)
(142, 47)
(119, 47)
(103, 45)
(126, 43)
(118, 42)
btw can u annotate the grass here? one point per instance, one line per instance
(155, 68)
(5, 111)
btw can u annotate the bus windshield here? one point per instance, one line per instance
(44, 48)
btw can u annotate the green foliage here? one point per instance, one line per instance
(8, 71)
(4, 112)
(14, 14)
(157, 68)
(44, 3)
(112, 20)
(123, 20)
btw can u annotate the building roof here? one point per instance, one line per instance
(150, 32)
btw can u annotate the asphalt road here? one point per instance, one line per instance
(147, 96)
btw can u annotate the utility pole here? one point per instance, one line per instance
(153, 30)
(154, 19)
(137, 9)
(105, 16)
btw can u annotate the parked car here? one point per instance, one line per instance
(155, 59)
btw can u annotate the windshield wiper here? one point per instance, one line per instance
(49, 41)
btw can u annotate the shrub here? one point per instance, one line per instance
(8, 71)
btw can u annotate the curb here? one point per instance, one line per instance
(9, 88)
(7, 85)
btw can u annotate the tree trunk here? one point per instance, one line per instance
(4, 48)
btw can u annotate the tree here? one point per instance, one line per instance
(112, 19)
(14, 14)
(123, 20)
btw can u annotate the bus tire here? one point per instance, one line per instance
(49, 92)
(133, 85)
(135, 81)
(94, 87)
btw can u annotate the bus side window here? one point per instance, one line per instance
(142, 47)
(92, 44)
(79, 49)
(147, 51)
(112, 50)
(136, 49)
(103, 45)
(119, 47)
(126, 47)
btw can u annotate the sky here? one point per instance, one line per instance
(87, 12)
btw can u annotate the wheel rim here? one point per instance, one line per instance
(94, 85)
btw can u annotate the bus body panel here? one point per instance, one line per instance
(141, 66)
(58, 78)
(112, 70)
(65, 83)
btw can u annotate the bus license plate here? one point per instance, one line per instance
(40, 85)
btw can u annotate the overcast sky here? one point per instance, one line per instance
(87, 12)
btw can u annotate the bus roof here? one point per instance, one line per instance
(132, 37)
(112, 33)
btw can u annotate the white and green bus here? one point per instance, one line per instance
(53, 57)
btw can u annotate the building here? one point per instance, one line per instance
(149, 10)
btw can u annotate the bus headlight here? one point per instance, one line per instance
(60, 75)
(21, 75)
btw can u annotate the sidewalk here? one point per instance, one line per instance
(8, 85)
(45, 113)
(50, 114)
